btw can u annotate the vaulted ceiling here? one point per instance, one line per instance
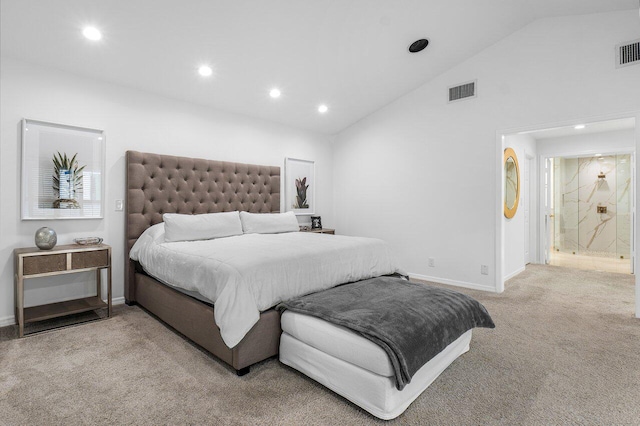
(348, 54)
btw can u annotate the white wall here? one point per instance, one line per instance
(514, 228)
(423, 174)
(132, 120)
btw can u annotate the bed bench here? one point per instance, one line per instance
(354, 367)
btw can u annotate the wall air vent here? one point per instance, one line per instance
(628, 54)
(463, 91)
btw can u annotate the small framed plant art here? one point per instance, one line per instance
(62, 171)
(300, 186)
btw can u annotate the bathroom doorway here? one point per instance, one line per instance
(587, 195)
(616, 136)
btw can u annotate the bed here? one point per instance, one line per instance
(221, 292)
(158, 184)
(252, 272)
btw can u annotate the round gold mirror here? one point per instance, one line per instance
(511, 183)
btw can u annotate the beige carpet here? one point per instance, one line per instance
(566, 350)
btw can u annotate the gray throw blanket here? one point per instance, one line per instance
(412, 322)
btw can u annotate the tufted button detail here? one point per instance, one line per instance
(190, 186)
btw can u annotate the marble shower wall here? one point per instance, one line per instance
(579, 191)
(597, 232)
(623, 197)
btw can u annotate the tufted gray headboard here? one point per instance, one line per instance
(158, 184)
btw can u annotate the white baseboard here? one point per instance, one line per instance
(11, 320)
(514, 273)
(7, 321)
(447, 281)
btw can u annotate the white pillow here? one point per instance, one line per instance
(269, 223)
(191, 227)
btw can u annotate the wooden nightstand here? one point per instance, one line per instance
(32, 263)
(320, 231)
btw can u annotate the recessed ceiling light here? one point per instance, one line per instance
(598, 155)
(418, 45)
(92, 33)
(579, 127)
(205, 70)
(275, 93)
(323, 108)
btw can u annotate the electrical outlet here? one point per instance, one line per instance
(119, 205)
(432, 262)
(484, 269)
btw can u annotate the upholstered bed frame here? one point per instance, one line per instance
(158, 184)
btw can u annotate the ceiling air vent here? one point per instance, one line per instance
(463, 91)
(628, 54)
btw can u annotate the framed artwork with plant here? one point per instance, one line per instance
(62, 171)
(300, 186)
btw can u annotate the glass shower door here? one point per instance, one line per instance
(592, 203)
(565, 203)
(624, 201)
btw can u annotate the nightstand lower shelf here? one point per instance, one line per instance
(59, 309)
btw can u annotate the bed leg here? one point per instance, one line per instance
(243, 371)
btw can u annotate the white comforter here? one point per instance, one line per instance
(246, 274)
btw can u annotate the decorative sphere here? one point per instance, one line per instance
(46, 238)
